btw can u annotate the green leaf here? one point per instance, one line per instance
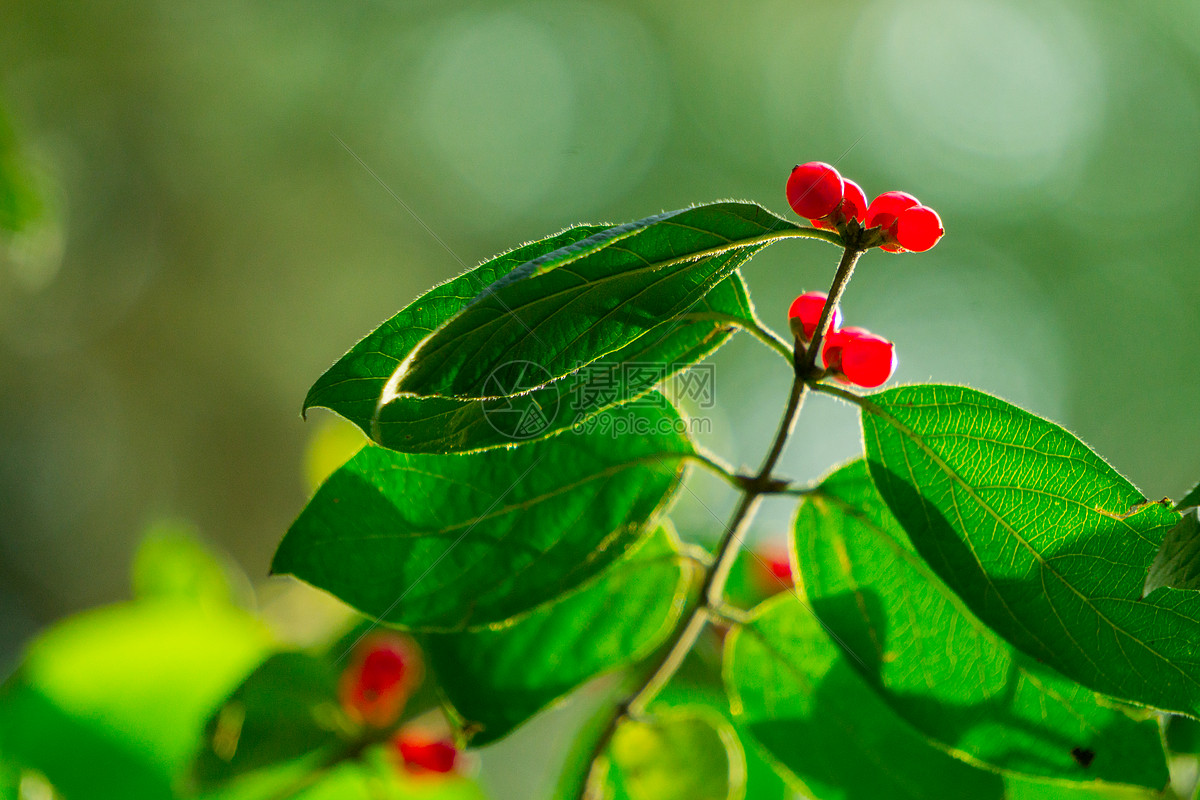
(171, 562)
(496, 679)
(375, 776)
(353, 385)
(285, 709)
(523, 410)
(941, 669)
(112, 702)
(1040, 537)
(1190, 499)
(1183, 735)
(577, 304)
(698, 683)
(577, 766)
(793, 691)
(1177, 563)
(443, 543)
(678, 755)
(419, 424)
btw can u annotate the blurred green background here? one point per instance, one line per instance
(212, 237)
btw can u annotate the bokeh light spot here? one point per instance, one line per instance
(971, 96)
(496, 106)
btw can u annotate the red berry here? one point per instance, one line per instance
(835, 341)
(918, 228)
(777, 563)
(383, 668)
(805, 313)
(884, 209)
(773, 569)
(814, 189)
(863, 358)
(423, 755)
(376, 684)
(854, 203)
(852, 206)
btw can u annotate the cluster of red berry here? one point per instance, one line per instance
(854, 355)
(816, 191)
(375, 686)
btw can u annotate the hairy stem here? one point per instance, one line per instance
(770, 338)
(806, 360)
(711, 604)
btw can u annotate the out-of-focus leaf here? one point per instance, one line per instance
(941, 669)
(677, 755)
(443, 543)
(1183, 735)
(333, 443)
(1041, 538)
(112, 702)
(698, 683)
(377, 776)
(285, 709)
(498, 678)
(171, 563)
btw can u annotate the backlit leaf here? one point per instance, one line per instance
(941, 669)
(443, 543)
(498, 678)
(1043, 540)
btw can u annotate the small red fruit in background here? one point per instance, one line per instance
(805, 313)
(426, 755)
(814, 189)
(382, 673)
(918, 228)
(861, 357)
(772, 568)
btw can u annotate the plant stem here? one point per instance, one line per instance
(715, 467)
(770, 338)
(806, 360)
(848, 396)
(712, 591)
(751, 326)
